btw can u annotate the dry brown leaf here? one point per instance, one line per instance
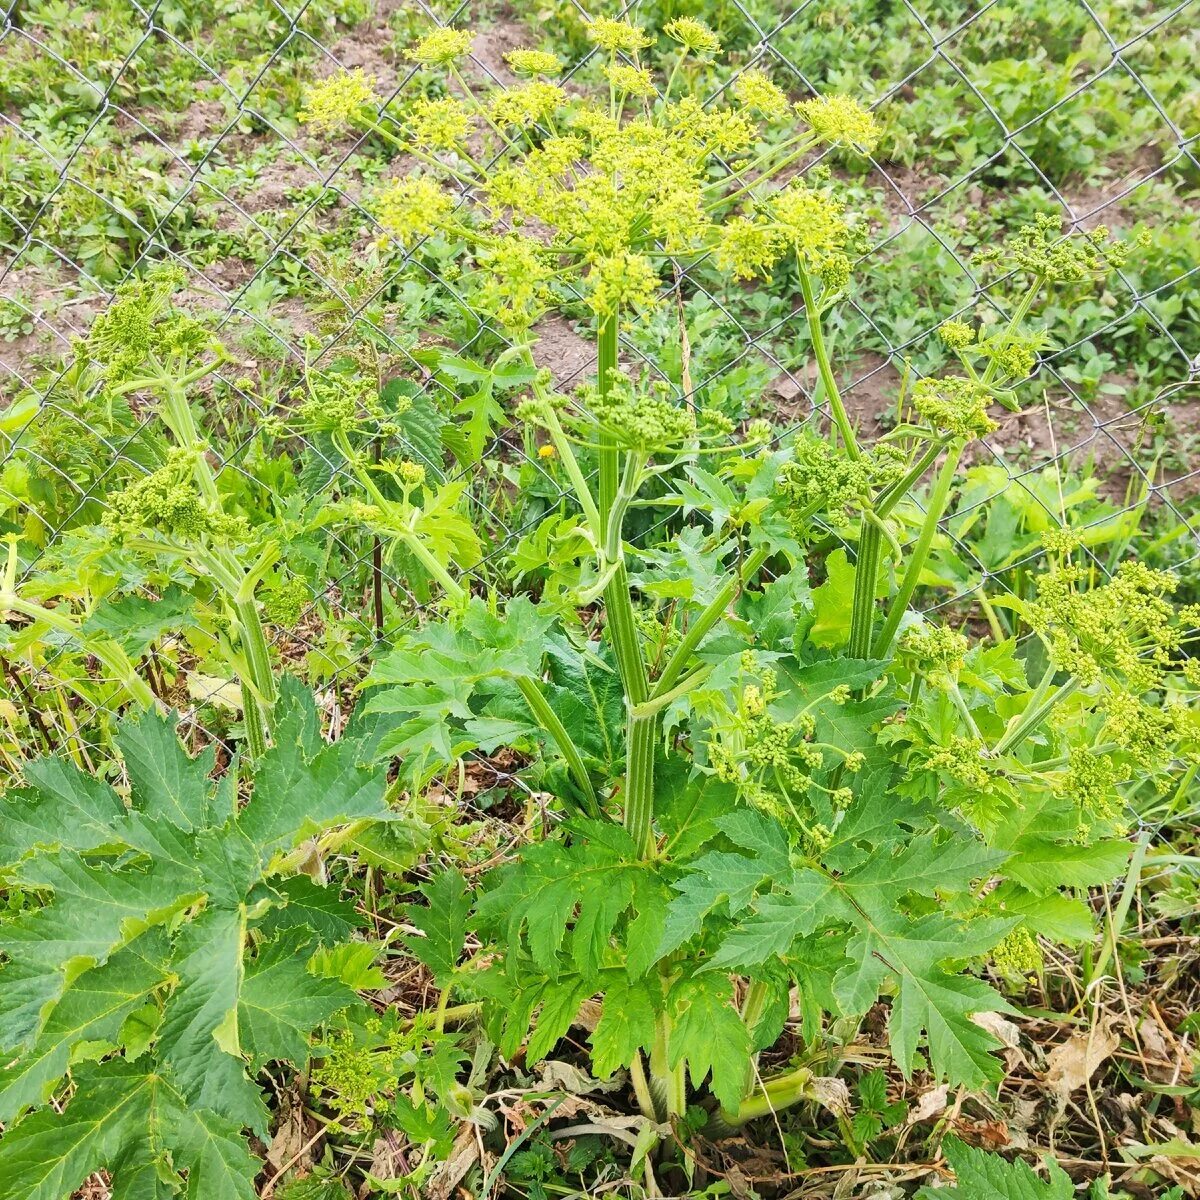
(931, 1104)
(1072, 1064)
(558, 1074)
(463, 1156)
(1001, 1028)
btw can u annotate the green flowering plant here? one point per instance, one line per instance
(145, 345)
(766, 779)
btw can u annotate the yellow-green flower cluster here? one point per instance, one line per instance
(413, 208)
(441, 124)
(1151, 734)
(441, 48)
(641, 418)
(1091, 784)
(964, 760)
(957, 334)
(812, 223)
(1042, 250)
(526, 106)
(338, 400)
(936, 648)
(141, 320)
(168, 501)
(533, 62)
(515, 273)
(284, 603)
(630, 81)
(339, 100)
(1018, 953)
(622, 280)
(1013, 355)
(841, 119)
(746, 247)
(614, 36)
(1126, 629)
(694, 35)
(954, 405)
(755, 90)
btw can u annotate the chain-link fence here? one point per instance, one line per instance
(99, 181)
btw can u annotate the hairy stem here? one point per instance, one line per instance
(606, 364)
(775, 1094)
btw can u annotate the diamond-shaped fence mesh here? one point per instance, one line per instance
(133, 134)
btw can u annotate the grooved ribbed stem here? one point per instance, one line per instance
(866, 572)
(606, 363)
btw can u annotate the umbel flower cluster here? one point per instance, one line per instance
(602, 192)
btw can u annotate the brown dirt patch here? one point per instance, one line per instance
(570, 357)
(869, 385)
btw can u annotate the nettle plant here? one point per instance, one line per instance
(771, 776)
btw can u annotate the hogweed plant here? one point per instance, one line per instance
(144, 346)
(769, 788)
(768, 783)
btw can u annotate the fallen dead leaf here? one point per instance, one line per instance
(1001, 1028)
(931, 1104)
(1072, 1064)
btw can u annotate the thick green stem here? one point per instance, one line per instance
(1037, 711)
(606, 364)
(177, 414)
(866, 574)
(641, 738)
(753, 1007)
(547, 718)
(775, 1095)
(259, 697)
(836, 407)
(938, 500)
(668, 1085)
(110, 655)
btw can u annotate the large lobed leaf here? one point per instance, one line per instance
(162, 933)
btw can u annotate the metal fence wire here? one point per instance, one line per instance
(55, 276)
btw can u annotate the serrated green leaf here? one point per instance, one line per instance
(294, 798)
(560, 1005)
(281, 1002)
(708, 1032)
(92, 1008)
(983, 1176)
(1044, 865)
(164, 781)
(211, 1148)
(47, 1155)
(626, 1024)
(96, 911)
(199, 1039)
(134, 622)
(304, 904)
(536, 900)
(444, 924)
(715, 878)
(62, 807)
